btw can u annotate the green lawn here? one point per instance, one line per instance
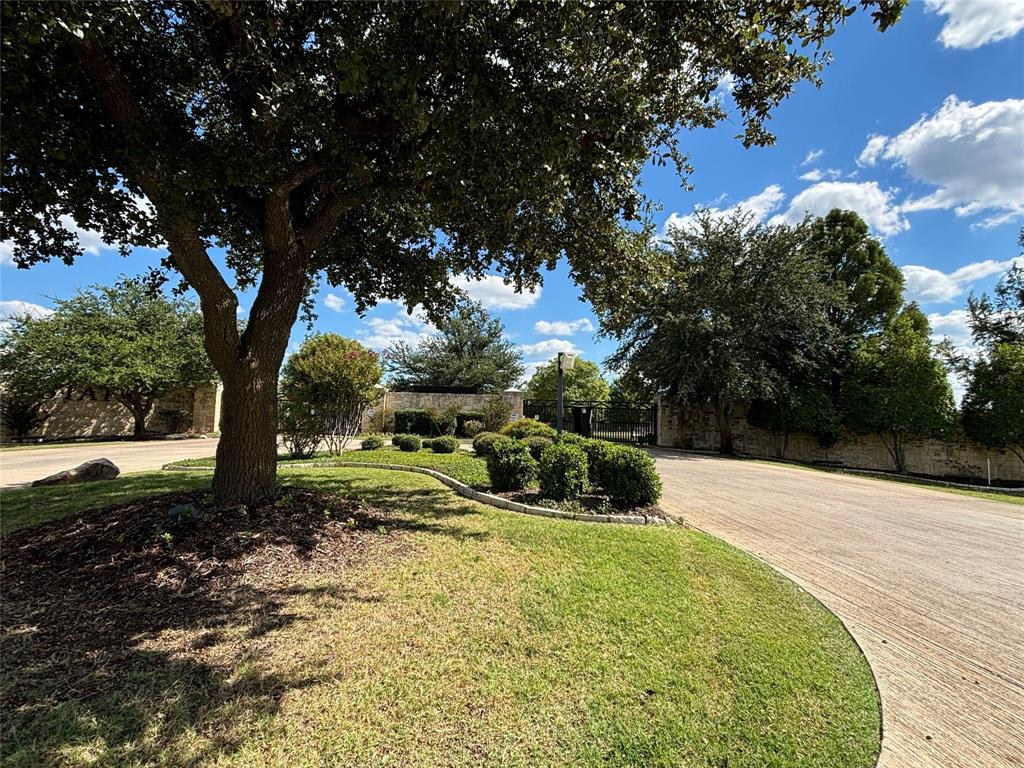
(486, 638)
(463, 466)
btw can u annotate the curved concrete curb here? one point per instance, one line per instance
(470, 493)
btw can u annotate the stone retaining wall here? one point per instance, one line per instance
(95, 414)
(681, 427)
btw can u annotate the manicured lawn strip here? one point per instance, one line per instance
(921, 482)
(463, 466)
(28, 506)
(496, 639)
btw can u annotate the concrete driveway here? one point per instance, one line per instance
(18, 467)
(931, 584)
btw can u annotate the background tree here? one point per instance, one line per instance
(468, 350)
(897, 388)
(737, 315)
(993, 404)
(583, 382)
(869, 285)
(384, 145)
(327, 386)
(135, 343)
(27, 379)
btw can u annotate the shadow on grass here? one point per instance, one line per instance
(135, 636)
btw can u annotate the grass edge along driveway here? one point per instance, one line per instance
(496, 639)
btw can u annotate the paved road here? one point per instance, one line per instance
(18, 467)
(931, 584)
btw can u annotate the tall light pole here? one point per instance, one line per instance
(565, 362)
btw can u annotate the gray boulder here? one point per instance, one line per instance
(94, 469)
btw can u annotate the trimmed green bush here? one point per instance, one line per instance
(628, 477)
(570, 438)
(472, 428)
(407, 443)
(528, 428)
(447, 444)
(427, 443)
(412, 422)
(372, 443)
(596, 451)
(484, 442)
(462, 418)
(510, 465)
(563, 472)
(537, 444)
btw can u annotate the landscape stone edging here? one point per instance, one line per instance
(470, 493)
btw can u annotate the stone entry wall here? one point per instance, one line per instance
(97, 415)
(401, 401)
(680, 427)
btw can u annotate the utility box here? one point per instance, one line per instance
(581, 417)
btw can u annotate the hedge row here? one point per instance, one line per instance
(433, 423)
(569, 466)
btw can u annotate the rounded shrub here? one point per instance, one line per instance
(510, 465)
(563, 472)
(407, 443)
(537, 444)
(427, 443)
(483, 442)
(629, 478)
(472, 427)
(528, 428)
(570, 438)
(372, 443)
(596, 451)
(446, 444)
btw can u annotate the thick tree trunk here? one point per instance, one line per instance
(139, 430)
(246, 468)
(723, 415)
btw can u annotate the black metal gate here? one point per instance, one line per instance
(621, 422)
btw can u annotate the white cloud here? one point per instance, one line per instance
(495, 293)
(874, 147)
(926, 284)
(760, 205)
(973, 154)
(563, 327)
(382, 332)
(816, 174)
(952, 325)
(334, 302)
(725, 86)
(812, 156)
(871, 203)
(17, 308)
(547, 349)
(90, 241)
(972, 23)
(6, 252)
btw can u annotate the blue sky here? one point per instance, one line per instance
(920, 130)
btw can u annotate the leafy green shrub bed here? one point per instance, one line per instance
(407, 443)
(510, 465)
(563, 472)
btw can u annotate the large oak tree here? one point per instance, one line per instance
(384, 145)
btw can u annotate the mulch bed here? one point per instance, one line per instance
(80, 594)
(591, 503)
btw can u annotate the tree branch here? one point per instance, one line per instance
(187, 249)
